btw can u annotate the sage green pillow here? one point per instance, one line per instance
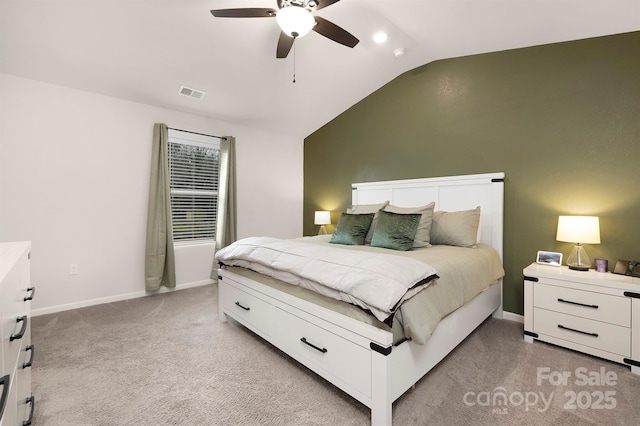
(459, 228)
(351, 229)
(395, 230)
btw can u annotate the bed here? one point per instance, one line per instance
(371, 360)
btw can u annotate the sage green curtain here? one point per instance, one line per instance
(226, 229)
(160, 268)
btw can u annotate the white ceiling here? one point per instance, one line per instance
(144, 50)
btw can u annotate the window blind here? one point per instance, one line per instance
(193, 170)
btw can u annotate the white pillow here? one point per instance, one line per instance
(423, 234)
(368, 208)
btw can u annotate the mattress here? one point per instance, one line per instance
(463, 273)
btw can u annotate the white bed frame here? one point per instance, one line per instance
(356, 357)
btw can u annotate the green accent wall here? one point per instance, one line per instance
(561, 120)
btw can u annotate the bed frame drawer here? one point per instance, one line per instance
(246, 308)
(326, 353)
(595, 334)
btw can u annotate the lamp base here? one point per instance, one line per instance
(578, 268)
(322, 230)
(578, 259)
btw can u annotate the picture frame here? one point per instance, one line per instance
(550, 258)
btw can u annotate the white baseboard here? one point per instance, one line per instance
(510, 316)
(115, 298)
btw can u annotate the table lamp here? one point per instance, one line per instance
(322, 218)
(579, 230)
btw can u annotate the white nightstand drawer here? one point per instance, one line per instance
(595, 334)
(247, 308)
(592, 305)
(324, 352)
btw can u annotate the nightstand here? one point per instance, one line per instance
(597, 313)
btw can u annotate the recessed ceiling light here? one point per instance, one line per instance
(399, 51)
(380, 37)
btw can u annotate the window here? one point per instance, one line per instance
(193, 170)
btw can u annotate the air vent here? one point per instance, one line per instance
(191, 93)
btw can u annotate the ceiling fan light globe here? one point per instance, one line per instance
(295, 19)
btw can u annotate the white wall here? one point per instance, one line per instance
(74, 174)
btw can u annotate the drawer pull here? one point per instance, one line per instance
(577, 331)
(33, 293)
(5, 381)
(243, 307)
(33, 352)
(578, 304)
(20, 334)
(323, 350)
(31, 400)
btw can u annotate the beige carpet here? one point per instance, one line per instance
(167, 360)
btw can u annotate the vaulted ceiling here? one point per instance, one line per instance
(145, 50)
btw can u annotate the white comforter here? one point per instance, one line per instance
(374, 281)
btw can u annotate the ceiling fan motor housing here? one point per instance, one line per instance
(306, 4)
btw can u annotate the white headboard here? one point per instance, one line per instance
(451, 193)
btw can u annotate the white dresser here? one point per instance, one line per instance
(16, 352)
(592, 312)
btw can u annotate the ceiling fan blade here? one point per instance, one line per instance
(334, 32)
(324, 3)
(251, 12)
(284, 45)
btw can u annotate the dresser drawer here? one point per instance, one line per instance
(331, 356)
(246, 308)
(25, 404)
(23, 380)
(14, 320)
(585, 304)
(10, 416)
(599, 335)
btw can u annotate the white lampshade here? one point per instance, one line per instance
(322, 218)
(295, 19)
(579, 229)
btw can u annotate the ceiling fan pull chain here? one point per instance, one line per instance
(294, 59)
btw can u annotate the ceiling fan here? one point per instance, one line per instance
(295, 19)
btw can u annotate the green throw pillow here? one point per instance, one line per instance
(351, 229)
(395, 230)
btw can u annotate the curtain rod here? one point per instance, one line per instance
(196, 133)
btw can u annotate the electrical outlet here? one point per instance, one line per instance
(73, 269)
